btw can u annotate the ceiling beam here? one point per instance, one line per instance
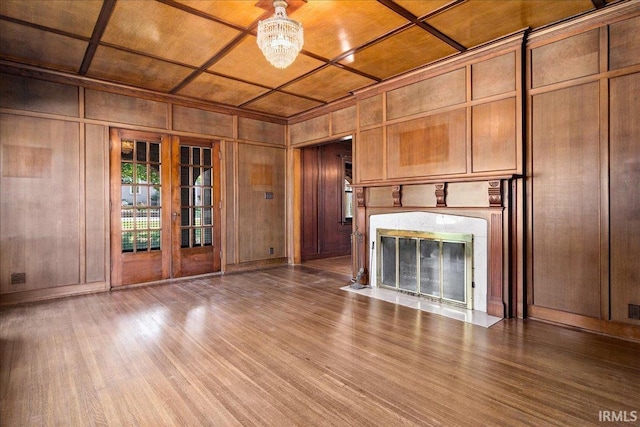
(98, 31)
(414, 19)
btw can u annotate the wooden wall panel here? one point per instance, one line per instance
(468, 194)
(371, 111)
(343, 121)
(566, 200)
(423, 195)
(125, 109)
(39, 207)
(624, 43)
(494, 76)
(310, 130)
(96, 224)
(494, 141)
(432, 145)
(380, 197)
(625, 195)
(369, 164)
(310, 177)
(566, 59)
(260, 131)
(261, 221)
(445, 90)
(27, 94)
(202, 121)
(229, 200)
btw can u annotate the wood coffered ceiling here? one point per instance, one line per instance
(206, 49)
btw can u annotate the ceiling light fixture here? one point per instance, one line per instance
(279, 37)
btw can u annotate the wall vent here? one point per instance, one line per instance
(634, 311)
(18, 278)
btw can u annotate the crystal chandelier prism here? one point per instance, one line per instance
(279, 37)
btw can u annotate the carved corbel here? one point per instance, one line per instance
(360, 197)
(396, 193)
(441, 195)
(495, 194)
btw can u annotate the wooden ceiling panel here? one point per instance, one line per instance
(246, 62)
(282, 104)
(402, 52)
(473, 23)
(238, 12)
(220, 89)
(329, 84)
(137, 70)
(36, 47)
(332, 27)
(166, 32)
(422, 8)
(71, 16)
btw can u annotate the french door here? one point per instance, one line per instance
(165, 207)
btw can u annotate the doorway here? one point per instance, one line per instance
(327, 201)
(165, 207)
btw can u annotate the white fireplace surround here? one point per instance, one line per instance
(438, 223)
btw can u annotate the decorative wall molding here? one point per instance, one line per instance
(360, 197)
(396, 193)
(441, 195)
(495, 194)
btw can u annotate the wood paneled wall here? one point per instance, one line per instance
(460, 120)
(584, 172)
(54, 180)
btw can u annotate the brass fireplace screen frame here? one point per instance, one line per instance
(466, 240)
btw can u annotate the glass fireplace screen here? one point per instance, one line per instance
(436, 265)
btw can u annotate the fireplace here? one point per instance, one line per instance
(437, 266)
(463, 235)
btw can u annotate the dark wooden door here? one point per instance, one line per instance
(325, 233)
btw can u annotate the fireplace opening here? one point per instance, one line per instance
(438, 266)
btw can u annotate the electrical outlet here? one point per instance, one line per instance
(271, 251)
(268, 195)
(634, 311)
(18, 278)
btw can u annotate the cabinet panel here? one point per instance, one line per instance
(625, 195)
(566, 200)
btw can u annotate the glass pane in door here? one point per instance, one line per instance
(408, 277)
(196, 202)
(140, 195)
(453, 271)
(430, 267)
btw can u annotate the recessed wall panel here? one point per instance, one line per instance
(430, 94)
(433, 145)
(566, 59)
(566, 200)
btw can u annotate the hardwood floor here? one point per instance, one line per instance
(340, 265)
(285, 346)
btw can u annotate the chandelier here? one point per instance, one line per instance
(280, 38)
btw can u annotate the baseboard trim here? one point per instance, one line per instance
(591, 324)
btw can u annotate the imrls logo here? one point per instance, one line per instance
(618, 416)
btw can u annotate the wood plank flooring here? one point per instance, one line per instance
(286, 347)
(340, 265)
